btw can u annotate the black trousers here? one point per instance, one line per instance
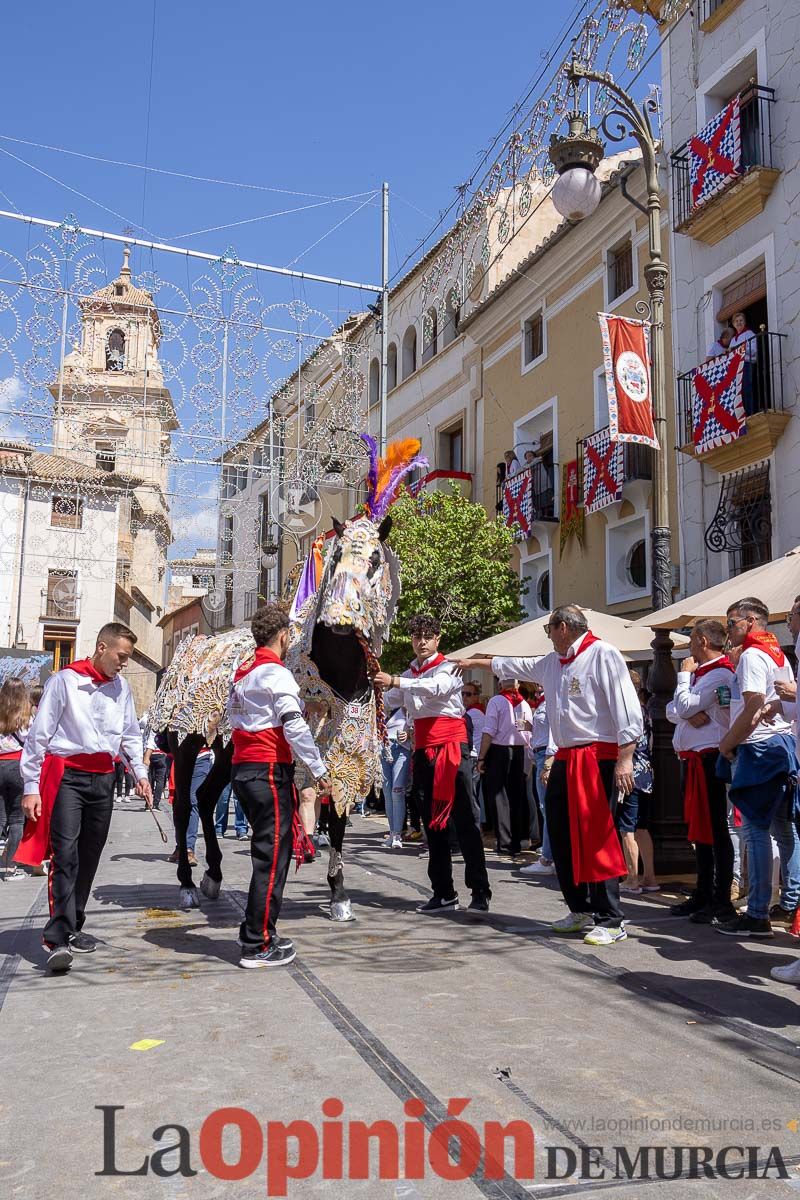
(505, 796)
(159, 773)
(123, 779)
(11, 808)
(78, 831)
(601, 900)
(464, 818)
(266, 793)
(715, 862)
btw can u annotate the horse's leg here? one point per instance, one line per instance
(340, 901)
(185, 756)
(208, 794)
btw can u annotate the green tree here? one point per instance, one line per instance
(454, 564)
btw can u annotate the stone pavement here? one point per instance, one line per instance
(676, 1037)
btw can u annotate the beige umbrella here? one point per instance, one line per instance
(775, 583)
(530, 638)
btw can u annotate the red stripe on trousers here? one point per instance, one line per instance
(275, 846)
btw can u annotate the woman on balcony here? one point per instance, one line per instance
(744, 336)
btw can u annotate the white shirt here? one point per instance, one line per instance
(76, 716)
(396, 723)
(268, 698)
(478, 718)
(716, 349)
(757, 672)
(692, 698)
(540, 735)
(12, 743)
(588, 700)
(501, 717)
(436, 693)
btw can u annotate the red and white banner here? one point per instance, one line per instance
(571, 510)
(718, 415)
(626, 358)
(603, 468)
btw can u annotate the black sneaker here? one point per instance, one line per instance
(723, 913)
(480, 902)
(283, 943)
(275, 956)
(434, 906)
(82, 943)
(59, 959)
(702, 916)
(779, 913)
(745, 926)
(687, 907)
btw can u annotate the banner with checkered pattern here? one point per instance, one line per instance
(518, 504)
(715, 154)
(718, 415)
(603, 467)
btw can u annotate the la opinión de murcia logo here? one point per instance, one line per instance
(452, 1149)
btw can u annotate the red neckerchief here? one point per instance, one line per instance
(417, 670)
(588, 640)
(262, 655)
(762, 639)
(477, 704)
(512, 695)
(724, 663)
(85, 666)
(537, 702)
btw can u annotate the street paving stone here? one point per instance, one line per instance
(675, 1037)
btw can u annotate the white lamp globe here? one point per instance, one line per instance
(576, 193)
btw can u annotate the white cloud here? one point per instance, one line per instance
(12, 394)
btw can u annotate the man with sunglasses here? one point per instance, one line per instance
(595, 721)
(760, 747)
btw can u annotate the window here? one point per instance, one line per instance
(430, 335)
(66, 512)
(391, 373)
(452, 449)
(450, 330)
(115, 350)
(374, 383)
(627, 558)
(543, 592)
(533, 339)
(742, 524)
(105, 456)
(409, 351)
(62, 594)
(620, 269)
(636, 565)
(600, 399)
(535, 576)
(61, 644)
(226, 540)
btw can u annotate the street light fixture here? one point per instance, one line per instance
(576, 157)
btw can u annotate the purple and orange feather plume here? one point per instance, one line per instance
(386, 474)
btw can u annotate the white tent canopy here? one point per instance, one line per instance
(775, 583)
(530, 638)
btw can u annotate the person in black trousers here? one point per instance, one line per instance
(15, 719)
(501, 762)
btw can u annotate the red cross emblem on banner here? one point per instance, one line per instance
(603, 475)
(711, 397)
(710, 156)
(516, 515)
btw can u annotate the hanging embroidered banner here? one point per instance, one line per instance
(571, 511)
(717, 406)
(518, 504)
(715, 154)
(626, 358)
(602, 471)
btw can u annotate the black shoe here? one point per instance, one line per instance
(284, 943)
(779, 913)
(745, 926)
(723, 913)
(702, 916)
(687, 907)
(480, 902)
(434, 906)
(82, 943)
(275, 956)
(59, 959)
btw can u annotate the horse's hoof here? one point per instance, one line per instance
(188, 899)
(341, 910)
(210, 887)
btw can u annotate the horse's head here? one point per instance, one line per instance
(361, 585)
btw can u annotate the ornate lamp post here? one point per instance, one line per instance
(576, 195)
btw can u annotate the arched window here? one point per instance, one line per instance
(115, 350)
(450, 331)
(409, 351)
(430, 335)
(391, 370)
(374, 383)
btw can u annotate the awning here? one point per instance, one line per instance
(530, 639)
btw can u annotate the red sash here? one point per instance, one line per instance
(695, 797)
(85, 666)
(588, 640)
(261, 745)
(723, 664)
(537, 702)
(10, 755)
(262, 655)
(762, 639)
(596, 852)
(441, 738)
(35, 845)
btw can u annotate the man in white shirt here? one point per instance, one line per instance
(542, 752)
(501, 762)
(264, 709)
(430, 692)
(699, 711)
(763, 757)
(787, 694)
(596, 721)
(85, 718)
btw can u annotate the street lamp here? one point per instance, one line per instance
(576, 194)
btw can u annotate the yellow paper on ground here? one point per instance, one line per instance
(147, 1044)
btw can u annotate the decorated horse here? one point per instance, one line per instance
(341, 615)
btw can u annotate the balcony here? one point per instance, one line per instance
(525, 497)
(637, 471)
(252, 601)
(746, 194)
(763, 402)
(443, 481)
(60, 607)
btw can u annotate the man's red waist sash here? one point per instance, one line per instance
(10, 755)
(35, 845)
(696, 812)
(441, 738)
(261, 745)
(596, 852)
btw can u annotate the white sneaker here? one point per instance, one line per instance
(788, 974)
(604, 935)
(573, 923)
(542, 867)
(386, 844)
(14, 873)
(397, 842)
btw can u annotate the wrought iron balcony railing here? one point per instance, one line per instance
(526, 496)
(637, 461)
(755, 116)
(63, 608)
(762, 384)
